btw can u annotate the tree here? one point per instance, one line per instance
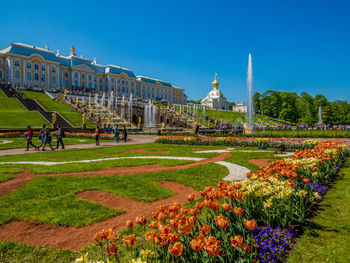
(257, 101)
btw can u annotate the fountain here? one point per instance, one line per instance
(250, 108)
(130, 107)
(149, 114)
(320, 115)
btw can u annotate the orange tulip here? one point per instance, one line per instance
(129, 223)
(199, 205)
(226, 206)
(197, 244)
(164, 229)
(155, 224)
(176, 249)
(185, 229)
(163, 216)
(129, 241)
(205, 229)
(245, 248)
(193, 212)
(173, 223)
(221, 221)
(238, 211)
(250, 224)
(192, 221)
(112, 250)
(150, 236)
(237, 241)
(215, 206)
(173, 237)
(141, 220)
(191, 197)
(212, 250)
(306, 180)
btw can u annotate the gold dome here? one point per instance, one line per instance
(72, 51)
(215, 82)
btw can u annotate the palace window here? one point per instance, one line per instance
(29, 76)
(89, 85)
(54, 79)
(29, 65)
(43, 77)
(43, 68)
(89, 77)
(76, 83)
(83, 76)
(36, 67)
(53, 69)
(83, 84)
(76, 75)
(17, 63)
(66, 83)
(66, 74)
(1, 74)
(17, 74)
(36, 76)
(1, 62)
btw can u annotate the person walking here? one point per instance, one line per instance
(47, 139)
(60, 135)
(125, 133)
(97, 135)
(29, 137)
(116, 134)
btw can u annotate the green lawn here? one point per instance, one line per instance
(327, 239)
(19, 142)
(13, 114)
(49, 104)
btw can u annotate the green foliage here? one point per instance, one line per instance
(301, 109)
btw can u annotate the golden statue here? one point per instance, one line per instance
(247, 129)
(163, 126)
(103, 119)
(194, 125)
(65, 93)
(83, 118)
(109, 120)
(54, 118)
(140, 121)
(72, 51)
(215, 82)
(92, 110)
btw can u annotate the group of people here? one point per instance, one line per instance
(115, 132)
(45, 138)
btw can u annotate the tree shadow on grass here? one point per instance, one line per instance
(314, 227)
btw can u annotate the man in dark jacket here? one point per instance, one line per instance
(60, 135)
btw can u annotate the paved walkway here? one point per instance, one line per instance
(135, 139)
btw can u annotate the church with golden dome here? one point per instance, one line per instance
(215, 98)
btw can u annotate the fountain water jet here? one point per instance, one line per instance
(250, 107)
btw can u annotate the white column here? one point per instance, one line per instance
(10, 66)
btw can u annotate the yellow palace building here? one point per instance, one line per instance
(39, 68)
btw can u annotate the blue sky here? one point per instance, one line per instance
(296, 45)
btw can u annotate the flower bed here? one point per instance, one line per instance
(289, 143)
(248, 221)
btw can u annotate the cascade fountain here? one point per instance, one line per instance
(250, 107)
(320, 115)
(130, 107)
(103, 100)
(203, 111)
(116, 104)
(122, 107)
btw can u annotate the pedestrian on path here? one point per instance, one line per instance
(125, 133)
(29, 137)
(97, 135)
(60, 135)
(47, 139)
(116, 134)
(41, 136)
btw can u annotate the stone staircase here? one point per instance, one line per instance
(33, 105)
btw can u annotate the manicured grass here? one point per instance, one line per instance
(49, 104)
(6, 173)
(20, 142)
(304, 133)
(13, 114)
(327, 239)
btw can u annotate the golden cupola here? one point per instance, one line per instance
(72, 51)
(215, 82)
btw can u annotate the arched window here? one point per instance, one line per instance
(89, 77)
(29, 65)
(66, 74)
(36, 67)
(83, 76)
(29, 76)
(17, 63)
(36, 76)
(54, 79)
(43, 68)
(17, 74)
(53, 69)
(76, 75)
(43, 77)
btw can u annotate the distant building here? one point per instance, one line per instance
(39, 68)
(239, 107)
(215, 98)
